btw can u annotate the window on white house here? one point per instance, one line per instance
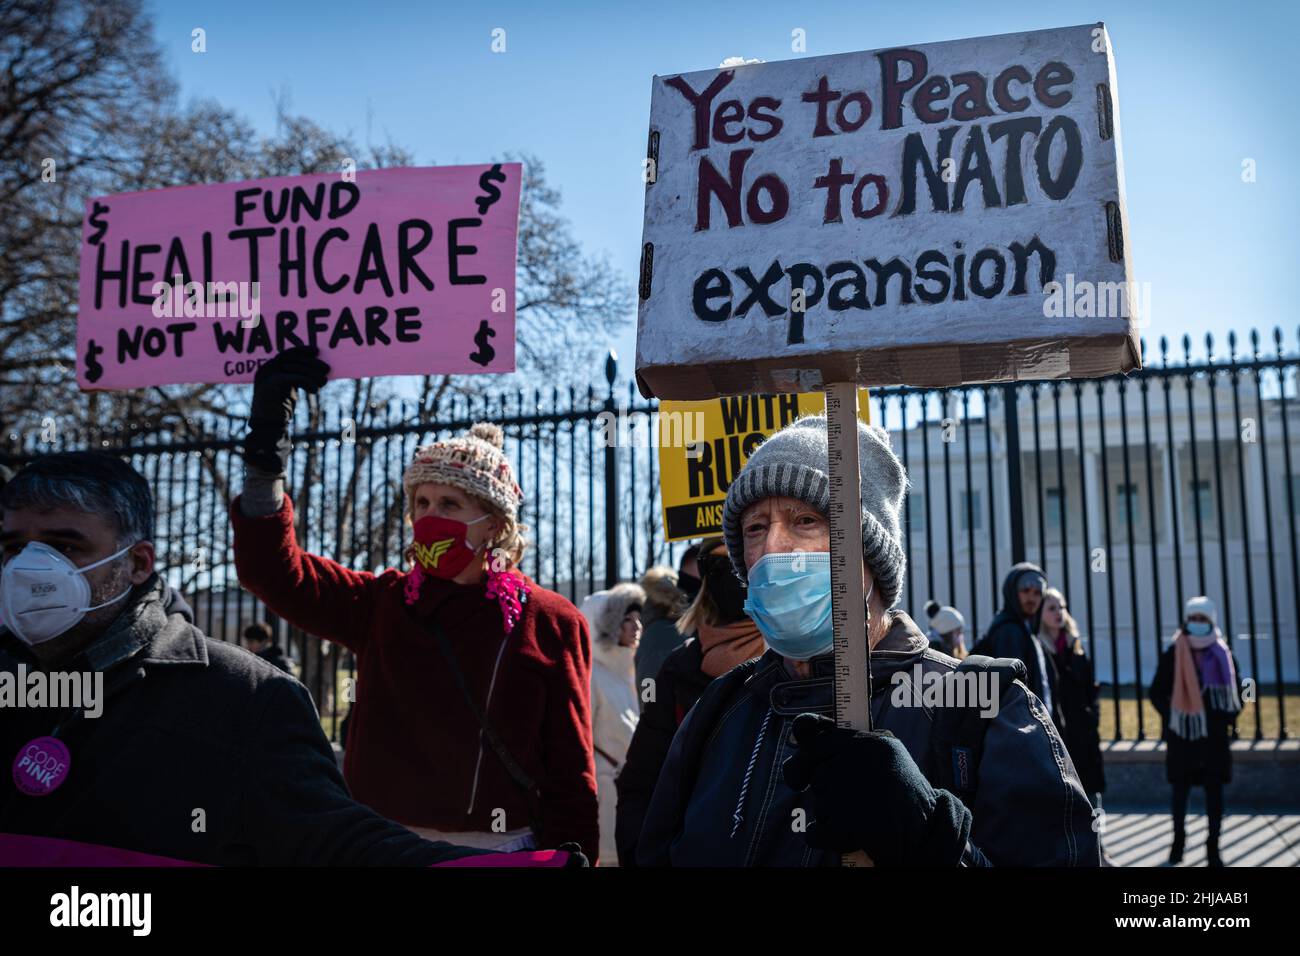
(1127, 505)
(1055, 499)
(1203, 499)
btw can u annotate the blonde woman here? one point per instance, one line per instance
(471, 722)
(1075, 691)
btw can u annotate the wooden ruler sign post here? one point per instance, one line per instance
(848, 604)
(802, 234)
(849, 615)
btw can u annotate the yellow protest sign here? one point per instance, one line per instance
(703, 446)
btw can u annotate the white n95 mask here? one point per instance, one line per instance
(43, 594)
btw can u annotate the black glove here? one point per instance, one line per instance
(576, 856)
(275, 395)
(869, 794)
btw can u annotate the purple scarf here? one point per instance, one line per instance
(1205, 669)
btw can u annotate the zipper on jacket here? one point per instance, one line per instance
(487, 710)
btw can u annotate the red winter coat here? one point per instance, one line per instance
(414, 750)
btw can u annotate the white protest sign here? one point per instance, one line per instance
(909, 216)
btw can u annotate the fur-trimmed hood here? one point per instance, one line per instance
(604, 610)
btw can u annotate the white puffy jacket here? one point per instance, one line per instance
(614, 706)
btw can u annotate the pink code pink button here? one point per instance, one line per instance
(41, 766)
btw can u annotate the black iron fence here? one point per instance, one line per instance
(1133, 493)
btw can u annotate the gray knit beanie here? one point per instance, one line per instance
(792, 464)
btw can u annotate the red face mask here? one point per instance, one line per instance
(441, 546)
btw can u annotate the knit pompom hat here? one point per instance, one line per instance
(792, 464)
(474, 463)
(943, 618)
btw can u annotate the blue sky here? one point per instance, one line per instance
(1203, 86)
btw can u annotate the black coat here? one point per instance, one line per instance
(1075, 694)
(1192, 762)
(659, 639)
(721, 798)
(1009, 633)
(678, 686)
(190, 724)
(275, 657)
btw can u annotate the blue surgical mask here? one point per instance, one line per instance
(790, 602)
(1199, 628)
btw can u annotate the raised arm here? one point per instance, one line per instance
(311, 592)
(316, 594)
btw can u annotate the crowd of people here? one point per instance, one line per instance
(680, 720)
(1195, 690)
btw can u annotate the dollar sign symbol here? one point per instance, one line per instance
(97, 220)
(94, 371)
(485, 183)
(485, 352)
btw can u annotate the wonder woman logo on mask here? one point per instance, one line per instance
(441, 545)
(428, 555)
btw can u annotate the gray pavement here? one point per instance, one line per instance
(1142, 837)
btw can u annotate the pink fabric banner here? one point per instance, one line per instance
(17, 849)
(524, 858)
(387, 271)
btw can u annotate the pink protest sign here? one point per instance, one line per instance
(388, 272)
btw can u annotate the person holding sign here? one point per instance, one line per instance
(757, 775)
(472, 719)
